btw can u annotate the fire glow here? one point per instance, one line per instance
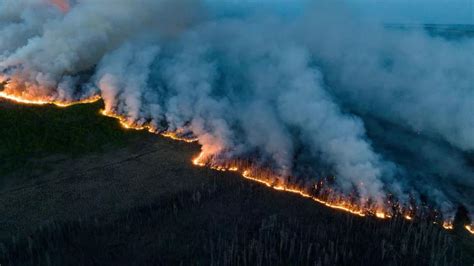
(8, 89)
(334, 202)
(470, 228)
(63, 5)
(21, 100)
(127, 124)
(448, 225)
(338, 204)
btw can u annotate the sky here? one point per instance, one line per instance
(417, 11)
(388, 11)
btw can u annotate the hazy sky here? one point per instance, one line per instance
(389, 11)
(418, 11)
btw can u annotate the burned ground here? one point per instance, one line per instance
(76, 189)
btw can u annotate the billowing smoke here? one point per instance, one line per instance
(61, 4)
(311, 92)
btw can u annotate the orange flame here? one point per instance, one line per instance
(128, 124)
(175, 136)
(382, 215)
(21, 100)
(200, 160)
(448, 225)
(470, 228)
(339, 205)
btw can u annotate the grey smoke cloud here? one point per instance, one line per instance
(316, 90)
(21, 20)
(62, 47)
(420, 82)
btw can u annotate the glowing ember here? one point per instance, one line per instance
(381, 215)
(470, 228)
(448, 225)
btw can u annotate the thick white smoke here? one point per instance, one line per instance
(301, 91)
(424, 83)
(68, 44)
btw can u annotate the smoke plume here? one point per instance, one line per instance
(310, 92)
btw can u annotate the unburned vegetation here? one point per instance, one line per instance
(107, 196)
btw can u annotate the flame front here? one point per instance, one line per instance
(333, 201)
(21, 100)
(470, 228)
(9, 91)
(129, 124)
(337, 203)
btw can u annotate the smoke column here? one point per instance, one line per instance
(308, 92)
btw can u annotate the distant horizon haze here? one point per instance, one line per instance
(386, 11)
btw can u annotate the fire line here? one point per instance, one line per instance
(341, 205)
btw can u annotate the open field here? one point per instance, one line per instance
(78, 189)
(32, 132)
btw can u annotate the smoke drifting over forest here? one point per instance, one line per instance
(310, 92)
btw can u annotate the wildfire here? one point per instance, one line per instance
(382, 215)
(175, 136)
(470, 228)
(448, 225)
(21, 100)
(247, 174)
(127, 124)
(338, 203)
(197, 161)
